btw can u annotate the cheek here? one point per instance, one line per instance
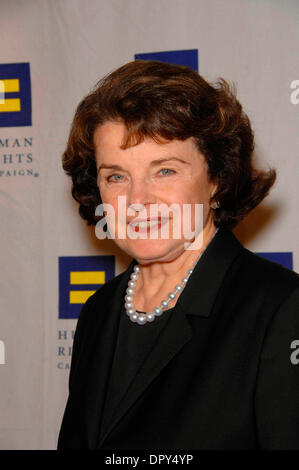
(193, 192)
(107, 195)
(186, 193)
(109, 199)
(199, 192)
(112, 191)
(115, 208)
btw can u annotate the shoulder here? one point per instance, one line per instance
(89, 315)
(262, 287)
(270, 270)
(278, 288)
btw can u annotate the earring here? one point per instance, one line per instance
(215, 205)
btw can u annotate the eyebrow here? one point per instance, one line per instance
(152, 163)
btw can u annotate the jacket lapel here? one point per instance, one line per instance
(206, 278)
(172, 338)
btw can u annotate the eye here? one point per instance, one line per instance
(168, 169)
(114, 180)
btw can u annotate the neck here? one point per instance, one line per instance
(160, 276)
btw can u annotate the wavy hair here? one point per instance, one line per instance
(165, 101)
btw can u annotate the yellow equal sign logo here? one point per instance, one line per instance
(9, 85)
(84, 278)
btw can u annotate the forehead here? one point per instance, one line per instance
(109, 136)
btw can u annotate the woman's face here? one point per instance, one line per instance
(144, 180)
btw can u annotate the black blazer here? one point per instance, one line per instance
(222, 375)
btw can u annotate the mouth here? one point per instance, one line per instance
(145, 226)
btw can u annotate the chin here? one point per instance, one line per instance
(145, 251)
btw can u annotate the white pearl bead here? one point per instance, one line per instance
(128, 298)
(128, 305)
(190, 271)
(132, 283)
(133, 317)
(141, 319)
(178, 287)
(130, 291)
(150, 317)
(184, 280)
(130, 311)
(171, 295)
(164, 303)
(136, 268)
(134, 276)
(157, 311)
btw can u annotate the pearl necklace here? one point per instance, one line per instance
(142, 318)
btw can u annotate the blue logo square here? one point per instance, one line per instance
(79, 278)
(15, 95)
(187, 57)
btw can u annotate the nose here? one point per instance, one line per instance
(140, 192)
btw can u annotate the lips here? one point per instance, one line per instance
(145, 225)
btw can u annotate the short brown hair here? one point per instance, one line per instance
(165, 101)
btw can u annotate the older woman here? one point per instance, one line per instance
(191, 347)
